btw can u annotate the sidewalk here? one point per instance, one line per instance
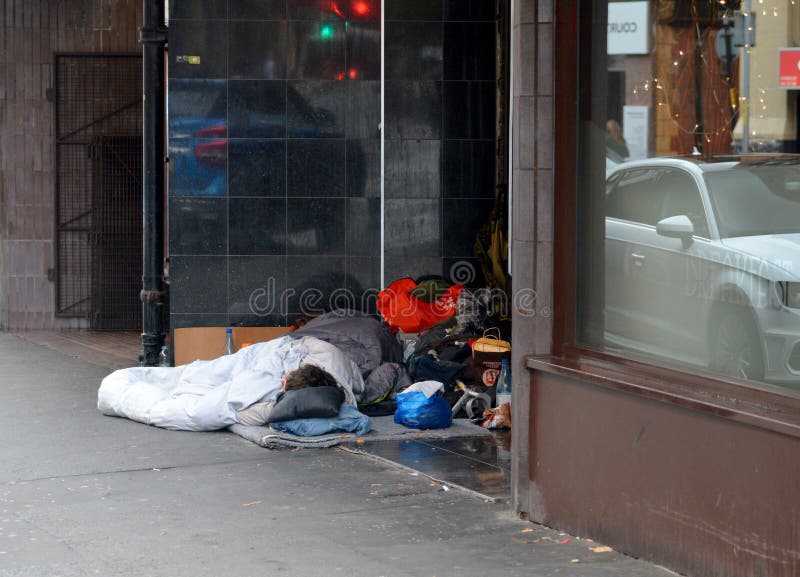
(83, 494)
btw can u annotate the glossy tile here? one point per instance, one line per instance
(363, 168)
(198, 49)
(315, 226)
(198, 167)
(197, 9)
(413, 109)
(412, 227)
(315, 167)
(198, 226)
(461, 219)
(198, 108)
(401, 267)
(412, 168)
(316, 50)
(463, 270)
(364, 227)
(188, 321)
(257, 290)
(257, 9)
(257, 167)
(470, 9)
(198, 284)
(257, 226)
(413, 9)
(257, 50)
(470, 168)
(257, 109)
(469, 110)
(314, 280)
(363, 51)
(363, 282)
(414, 50)
(316, 108)
(465, 51)
(363, 109)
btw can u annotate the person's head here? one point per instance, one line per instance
(614, 129)
(308, 376)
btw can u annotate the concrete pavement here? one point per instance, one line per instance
(83, 494)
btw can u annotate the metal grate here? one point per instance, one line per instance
(98, 118)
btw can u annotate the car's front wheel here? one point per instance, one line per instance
(735, 346)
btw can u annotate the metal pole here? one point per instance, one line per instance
(746, 81)
(153, 37)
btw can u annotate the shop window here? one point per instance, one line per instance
(691, 261)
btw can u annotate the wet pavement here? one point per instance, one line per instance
(481, 465)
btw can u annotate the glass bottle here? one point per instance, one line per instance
(503, 384)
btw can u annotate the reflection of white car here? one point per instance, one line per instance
(703, 263)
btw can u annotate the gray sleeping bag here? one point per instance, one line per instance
(364, 339)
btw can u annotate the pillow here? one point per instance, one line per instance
(308, 403)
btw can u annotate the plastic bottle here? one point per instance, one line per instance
(163, 357)
(229, 347)
(503, 384)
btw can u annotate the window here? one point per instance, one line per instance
(691, 261)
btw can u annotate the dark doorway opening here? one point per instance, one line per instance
(98, 201)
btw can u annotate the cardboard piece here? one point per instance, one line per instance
(206, 343)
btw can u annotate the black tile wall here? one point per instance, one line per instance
(414, 50)
(413, 109)
(469, 110)
(470, 9)
(256, 9)
(465, 54)
(257, 167)
(198, 108)
(316, 108)
(257, 291)
(319, 50)
(413, 9)
(413, 169)
(197, 9)
(316, 167)
(198, 284)
(469, 168)
(199, 226)
(315, 226)
(257, 226)
(257, 108)
(275, 206)
(198, 49)
(257, 49)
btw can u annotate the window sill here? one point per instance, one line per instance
(763, 408)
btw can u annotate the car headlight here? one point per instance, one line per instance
(789, 294)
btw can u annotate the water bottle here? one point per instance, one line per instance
(163, 357)
(229, 347)
(503, 384)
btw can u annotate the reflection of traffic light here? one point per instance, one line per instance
(326, 31)
(361, 8)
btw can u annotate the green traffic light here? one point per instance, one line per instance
(326, 31)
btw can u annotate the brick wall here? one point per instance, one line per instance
(31, 31)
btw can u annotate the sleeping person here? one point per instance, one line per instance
(210, 395)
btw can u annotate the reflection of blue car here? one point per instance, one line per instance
(199, 132)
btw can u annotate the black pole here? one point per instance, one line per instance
(153, 37)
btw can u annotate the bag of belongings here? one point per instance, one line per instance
(489, 351)
(420, 407)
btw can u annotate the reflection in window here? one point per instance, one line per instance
(691, 256)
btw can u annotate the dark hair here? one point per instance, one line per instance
(308, 376)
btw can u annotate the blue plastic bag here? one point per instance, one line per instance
(416, 411)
